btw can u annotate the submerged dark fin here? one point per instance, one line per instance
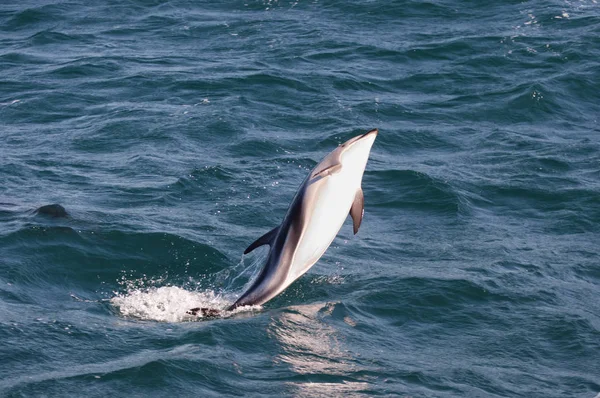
(193, 311)
(358, 209)
(55, 211)
(206, 312)
(266, 239)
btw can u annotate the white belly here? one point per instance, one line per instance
(327, 203)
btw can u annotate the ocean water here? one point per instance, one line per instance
(174, 133)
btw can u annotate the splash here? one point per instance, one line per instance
(155, 299)
(166, 303)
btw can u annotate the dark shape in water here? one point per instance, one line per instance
(206, 312)
(54, 210)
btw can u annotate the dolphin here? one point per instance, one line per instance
(330, 192)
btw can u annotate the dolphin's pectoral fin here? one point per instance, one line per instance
(266, 239)
(358, 209)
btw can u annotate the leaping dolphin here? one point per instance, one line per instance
(329, 193)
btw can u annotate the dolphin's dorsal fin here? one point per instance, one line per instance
(266, 239)
(358, 209)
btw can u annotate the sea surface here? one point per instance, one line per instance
(169, 135)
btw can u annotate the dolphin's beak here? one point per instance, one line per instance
(352, 141)
(370, 136)
(372, 132)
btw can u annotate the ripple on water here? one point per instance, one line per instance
(414, 190)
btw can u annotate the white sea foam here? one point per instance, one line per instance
(169, 304)
(155, 299)
(10, 102)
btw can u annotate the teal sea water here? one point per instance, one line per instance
(174, 133)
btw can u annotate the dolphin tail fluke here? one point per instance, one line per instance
(266, 239)
(358, 209)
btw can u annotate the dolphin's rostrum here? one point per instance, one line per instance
(329, 193)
